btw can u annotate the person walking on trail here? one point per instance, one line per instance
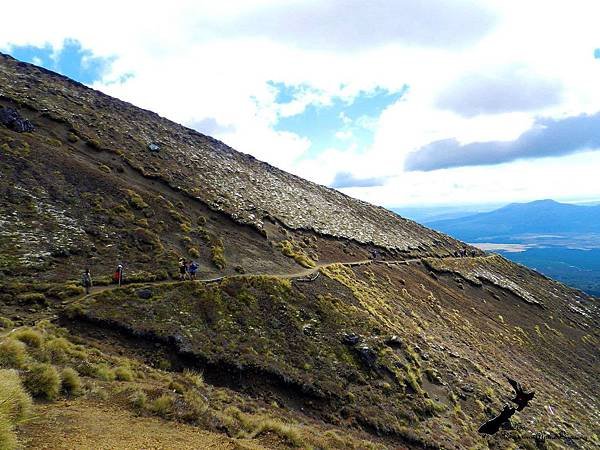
(86, 280)
(118, 276)
(192, 269)
(182, 269)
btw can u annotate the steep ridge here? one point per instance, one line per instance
(209, 170)
(402, 339)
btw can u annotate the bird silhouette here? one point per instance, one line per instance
(493, 425)
(522, 398)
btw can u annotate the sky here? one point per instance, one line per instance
(402, 103)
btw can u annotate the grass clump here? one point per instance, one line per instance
(15, 406)
(32, 297)
(217, 252)
(57, 350)
(162, 406)
(30, 337)
(123, 373)
(13, 353)
(292, 250)
(6, 323)
(42, 380)
(105, 373)
(135, 200)
(138, 399)
(71, 383)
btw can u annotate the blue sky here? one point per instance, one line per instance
(71, 60)
(397, 103)
(338, 122)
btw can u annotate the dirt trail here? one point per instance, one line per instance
(305, 273)
(85, 424)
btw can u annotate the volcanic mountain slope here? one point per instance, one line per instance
(317, 320)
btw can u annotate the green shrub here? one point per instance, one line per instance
(105, 373)
(218, 254)
(13, 353)
(15, 406)
(123, 373)
(163, 406)
(196, 406)
(292, 250)
(193, 378)
(6, 323)
(193, 251)
(32, 297)
(71, 383)
(135, 200)
(56, 349)
(15, 402)
(138, 399)
(29, 336)
(42, 380)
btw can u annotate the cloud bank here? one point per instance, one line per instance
(357, 24)
(512, 89)
(548, 137)
(347, 180)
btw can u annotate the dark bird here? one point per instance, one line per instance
(492, 426)
(522, 398)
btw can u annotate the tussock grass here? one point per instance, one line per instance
(29, 336)
(15, 406)
(13, 353)
(104, 373)
(71, 383)
(123, 373)
(163, 406)
(42, 380)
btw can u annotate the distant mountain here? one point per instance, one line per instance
(538, 217)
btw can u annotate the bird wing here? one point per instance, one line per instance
(515, 384)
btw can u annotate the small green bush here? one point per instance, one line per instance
(30, 337)
(162, 406)
(138, 399)
(15, 406)
(15, 402)
(196, 406)
(135, 200)
(13, 353)
(42, 380)
(193, 378)
(32, 297)
(57, 349)
(123, 373)
(105, 373)
(6, 323)
(71, 383)
(193, 251)
(218, 254)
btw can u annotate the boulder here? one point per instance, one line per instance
(367, 355)
(145, 293)
(350, 339)
(11, 119)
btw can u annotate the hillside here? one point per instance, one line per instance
(538, 217)
(317, 320)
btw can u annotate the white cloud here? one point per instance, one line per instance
(191, 64)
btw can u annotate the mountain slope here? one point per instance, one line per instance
(317, 320)
(542, 216)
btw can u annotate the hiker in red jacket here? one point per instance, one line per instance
(118, 275)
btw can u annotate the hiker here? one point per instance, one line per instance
(192, 269)
(182, 269)
(86, 280)
(118, 275)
